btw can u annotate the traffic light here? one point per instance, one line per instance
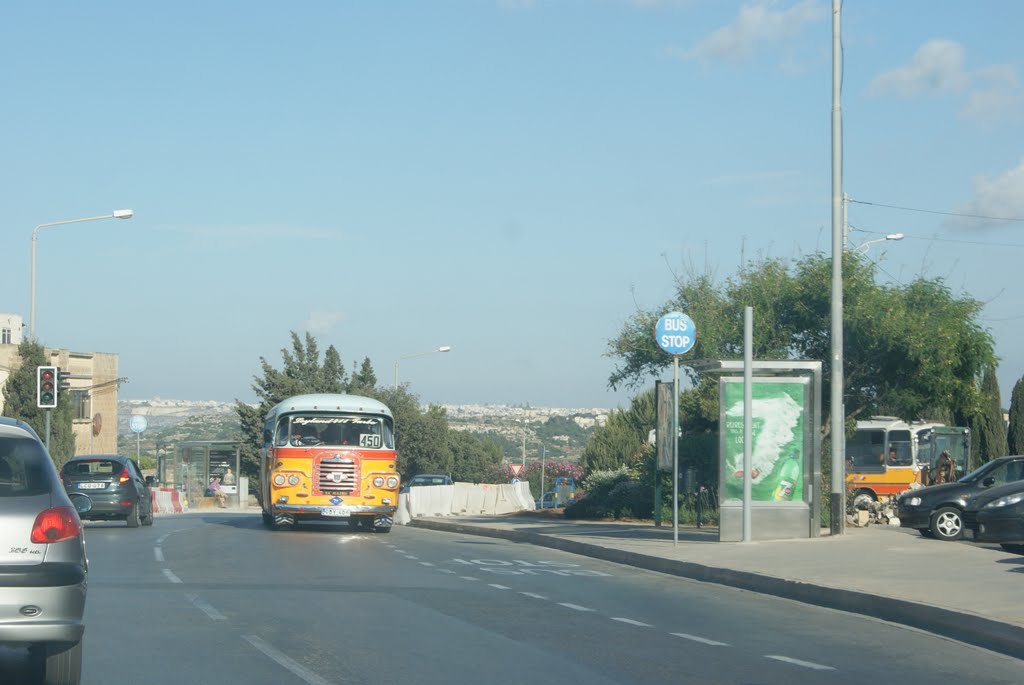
(46, 387)
(63, 380)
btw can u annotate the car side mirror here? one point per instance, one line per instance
(150, 481)
(989, 482)
(81, 502)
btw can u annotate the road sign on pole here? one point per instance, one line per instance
(516, 469)
(675, 334)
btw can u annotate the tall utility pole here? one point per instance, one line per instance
(838, 410)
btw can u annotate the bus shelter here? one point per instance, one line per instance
(785, 450)
(195, 463)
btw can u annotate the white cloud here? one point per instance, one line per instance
(937, 67)
(320, 323)
(999, 196)
(758, 22)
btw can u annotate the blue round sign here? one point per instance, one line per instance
(137, 423)
(675, 333)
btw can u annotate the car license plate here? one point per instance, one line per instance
(91, 486)
(340, 512)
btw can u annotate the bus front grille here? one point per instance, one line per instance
(337, 476)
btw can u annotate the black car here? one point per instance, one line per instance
(997, 515)
(115, 485)
(937, 510)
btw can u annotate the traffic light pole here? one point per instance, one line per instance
(47, 429)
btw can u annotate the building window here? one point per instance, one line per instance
(5, 336)
(82, 403)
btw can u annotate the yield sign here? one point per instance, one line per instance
(516, 468)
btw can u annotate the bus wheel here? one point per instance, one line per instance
(268, 520)
(947, 524)
(862, 499)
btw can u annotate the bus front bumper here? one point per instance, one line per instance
(329, 512)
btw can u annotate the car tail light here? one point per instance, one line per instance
(124, 476)
(56, 524)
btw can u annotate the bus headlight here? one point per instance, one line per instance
(279, 480)
(293, 480)
(392, 482)
(378, 482)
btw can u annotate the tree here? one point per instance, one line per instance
(421, 438)
(915, 349)
(365, 380)
(622, 441)
(473, 459)
(1015, 433)
(302, 373)
(989, 429)
(20, 403)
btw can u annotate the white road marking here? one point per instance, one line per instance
(798, 662)
(170, 576)
(702, 640)
(158, 554)
(400, 551)
(574, 607)
(533, 594)
(425, 563)
(205, 608)
(447, 570)
(160, 540)
(286, 662)
(499, 587)
(468, 578)
(632, 622)
(409, 556)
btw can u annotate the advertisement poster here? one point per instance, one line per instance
(777, 432)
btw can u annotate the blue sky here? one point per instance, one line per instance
(512, 178)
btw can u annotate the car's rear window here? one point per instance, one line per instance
(91, 468)
(24, 468)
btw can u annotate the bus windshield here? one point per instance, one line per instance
(335, 430)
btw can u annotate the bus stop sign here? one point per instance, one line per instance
(675, 333)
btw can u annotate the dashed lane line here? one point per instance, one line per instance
(632, 622)
(702, 640)
(533, 594)
(205, 607)
(285, 661)
(498, 587)
(799, 662)
(158, 554)
(574, 607)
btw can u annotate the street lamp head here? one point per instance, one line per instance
(123, 214)
(894, 236)
(444, 348)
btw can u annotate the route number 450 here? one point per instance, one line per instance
(518, 567)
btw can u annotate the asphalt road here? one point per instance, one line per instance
(218, 598)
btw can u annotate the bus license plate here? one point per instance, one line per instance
(341, 512)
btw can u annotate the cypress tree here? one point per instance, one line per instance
(1015, 435)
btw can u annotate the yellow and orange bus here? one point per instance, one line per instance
(887, 456)
(329, 457)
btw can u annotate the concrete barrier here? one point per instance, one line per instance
(463, 499)
(166, 501)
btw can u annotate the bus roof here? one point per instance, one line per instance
(893, 423)
(333, 403)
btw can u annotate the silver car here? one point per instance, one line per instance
(43, 566)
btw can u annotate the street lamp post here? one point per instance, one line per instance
(116, 214)
(862, 248)
(443, 348)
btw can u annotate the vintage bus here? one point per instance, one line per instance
(886, 456)
(329, 458)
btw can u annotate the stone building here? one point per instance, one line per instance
(94, 387)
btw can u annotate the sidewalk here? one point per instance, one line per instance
(968, 592)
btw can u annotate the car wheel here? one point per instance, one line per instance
(134, 519)
(147, 520)
(947, 524)
(1013, 548)
(60, 662)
